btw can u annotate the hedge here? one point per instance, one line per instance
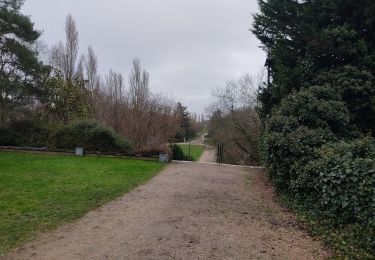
(87, 134)
(316, 155)
(92, 137)
(28, 133)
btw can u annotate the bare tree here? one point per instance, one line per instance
(57, 57)
(139, 85)
(115, 90)
(91, 66)
(64, 56)
(239, 122)
(79, 73)
(137, 114)
(42, 50)
(140, 102)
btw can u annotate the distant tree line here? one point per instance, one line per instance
(55, 87)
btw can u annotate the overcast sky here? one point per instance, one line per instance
(189, 47)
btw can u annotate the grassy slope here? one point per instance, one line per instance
(196, 150)
(39, 192)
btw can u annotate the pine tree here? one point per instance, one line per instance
(20, 70)
(186, 130)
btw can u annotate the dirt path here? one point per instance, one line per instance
(208, 156)
(189, 211)
(196, 141)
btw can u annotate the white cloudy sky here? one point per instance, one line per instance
(189, 46)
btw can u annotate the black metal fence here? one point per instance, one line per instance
(220, 153)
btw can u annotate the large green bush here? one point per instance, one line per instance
(316, 155)
(92, 137)
(313, 107)
(297, 128)
(356, 87)
(346, 179)
(287, 153)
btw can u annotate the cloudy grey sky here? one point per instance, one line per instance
(189, 47)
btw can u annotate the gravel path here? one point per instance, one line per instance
(208, 156)
(189, 211)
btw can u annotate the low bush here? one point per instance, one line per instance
(177, 153)
(8, 137)
(87, 134)
(28, 133)
(92, 137)
(152, 151)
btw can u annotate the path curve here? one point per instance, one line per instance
(188, 211)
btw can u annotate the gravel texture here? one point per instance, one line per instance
(208, 156)
(189, 211)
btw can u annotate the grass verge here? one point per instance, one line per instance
(196, 151)
(40, 192)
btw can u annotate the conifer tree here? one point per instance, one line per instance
(320, 42)
(20, 70)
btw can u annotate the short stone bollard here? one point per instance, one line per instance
(79, 151)
(164, 158)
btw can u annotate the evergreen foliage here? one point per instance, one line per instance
(186, 130)
(21, 73)
(25, 133)
(319, 112)
(177, 153)
(314, 39)
(66, 100)
(92, 137)
(87, 134)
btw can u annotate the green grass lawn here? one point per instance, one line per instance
(196, 150)
(40, 192)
